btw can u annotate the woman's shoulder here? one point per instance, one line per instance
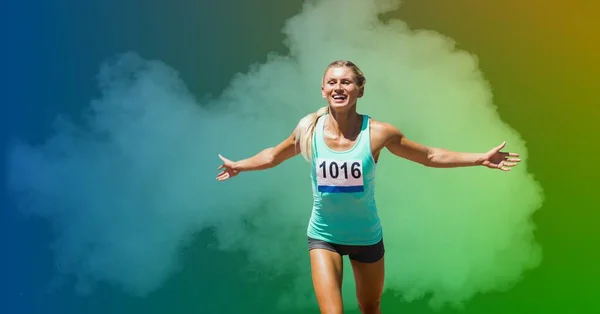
(382, 130)
(379, 125)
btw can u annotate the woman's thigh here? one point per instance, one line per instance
(369, 278)
(327, 269)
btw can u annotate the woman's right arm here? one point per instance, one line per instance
(269, 157)
(265, 159)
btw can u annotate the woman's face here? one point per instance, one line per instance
(339, 88)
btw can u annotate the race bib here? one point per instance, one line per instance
(339, 176)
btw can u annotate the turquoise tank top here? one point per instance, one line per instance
(344, 209)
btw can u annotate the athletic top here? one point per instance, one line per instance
(344, 209)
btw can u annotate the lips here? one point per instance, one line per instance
(339, 97)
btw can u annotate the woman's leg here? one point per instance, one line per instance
(369, 277)
(327, 270)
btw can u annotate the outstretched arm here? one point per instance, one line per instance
(401, 146)
(265, 159)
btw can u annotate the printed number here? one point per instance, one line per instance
(334, 169)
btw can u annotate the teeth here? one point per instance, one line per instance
(339, 97)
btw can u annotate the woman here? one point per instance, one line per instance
(343, 147)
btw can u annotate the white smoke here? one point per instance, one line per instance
(129, 187)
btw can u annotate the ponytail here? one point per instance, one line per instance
(305, 130)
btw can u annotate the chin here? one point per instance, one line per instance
(346, 105)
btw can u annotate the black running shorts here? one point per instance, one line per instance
(360, 253)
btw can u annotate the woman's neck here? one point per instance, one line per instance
(347, 123)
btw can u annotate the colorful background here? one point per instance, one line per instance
(539, 58)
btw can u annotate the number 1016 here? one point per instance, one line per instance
(333, 170)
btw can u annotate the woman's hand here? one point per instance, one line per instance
(496, 159)
(228, 169)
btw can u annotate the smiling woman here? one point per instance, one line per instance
(344, 82)
(343, 147)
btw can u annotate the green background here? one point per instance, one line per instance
(540, 59)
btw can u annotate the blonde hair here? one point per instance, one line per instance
(305, 130)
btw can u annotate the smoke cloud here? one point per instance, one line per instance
(130, 183)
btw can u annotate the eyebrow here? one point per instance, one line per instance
(342, 78)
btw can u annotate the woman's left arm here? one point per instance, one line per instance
(434, 157)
